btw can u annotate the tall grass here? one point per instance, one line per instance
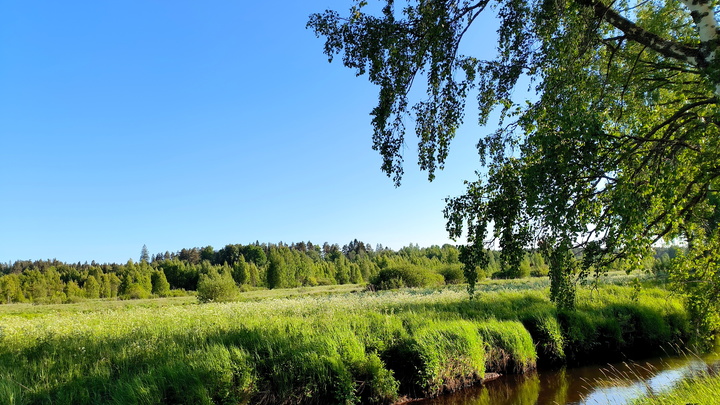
(701, 389)
(509, 346)
(438, 356)
(340, 349)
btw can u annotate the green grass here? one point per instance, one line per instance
(509, 346)
(437, 356)
(703, 389)
(318, 345)
(29, 310)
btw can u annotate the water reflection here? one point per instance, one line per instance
(617, 383)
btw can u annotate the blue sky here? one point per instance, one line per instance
(186, 123)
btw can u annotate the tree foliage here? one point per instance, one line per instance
(616, 149)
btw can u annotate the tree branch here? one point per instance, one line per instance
(638, 34)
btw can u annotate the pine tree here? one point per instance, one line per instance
(144, 255)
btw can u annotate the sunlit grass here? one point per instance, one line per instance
(701, 389)
(326, 344)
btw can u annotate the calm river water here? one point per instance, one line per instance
(617, 383)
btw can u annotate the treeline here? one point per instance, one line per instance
(233, 267)
(221, 274)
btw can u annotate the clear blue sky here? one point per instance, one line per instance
(184, 123)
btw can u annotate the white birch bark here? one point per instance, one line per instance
(703, 15)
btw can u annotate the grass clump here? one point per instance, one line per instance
(549, 338)
(438, 357)
(508, 346)
(169, 373)
(612, 325)
(702, 389)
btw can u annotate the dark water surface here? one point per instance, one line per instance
(617, 383)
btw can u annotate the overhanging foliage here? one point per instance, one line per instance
(620, 148)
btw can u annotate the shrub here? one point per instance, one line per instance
(521, 271)
(452, 274)
(325, 281)
(540, 271)
(406, 276)
(216, 287)
(135, 291)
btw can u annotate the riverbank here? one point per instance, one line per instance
(619, 383)
(348, 348)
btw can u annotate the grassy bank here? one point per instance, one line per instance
(346, 348)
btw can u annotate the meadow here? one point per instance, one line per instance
(344, 347)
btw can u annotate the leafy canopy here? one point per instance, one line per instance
(617, 149)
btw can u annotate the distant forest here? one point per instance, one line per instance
(219, 274)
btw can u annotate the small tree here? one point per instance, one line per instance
(73, 291)
(342, 270)
(91, 288)
(160, 285)
(277, 269)
(11, 289)
(241, 272)
(114, 284)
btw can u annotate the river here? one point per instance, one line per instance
(616, 383)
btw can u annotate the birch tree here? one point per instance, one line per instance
(617, 149)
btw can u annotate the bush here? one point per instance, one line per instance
(540, 271)
(452, 274)
(406, 276)
(216, 287)
(135, 291)
(521, 271)
(325, 281)
(180, 293)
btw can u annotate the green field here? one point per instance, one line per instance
(317, 345)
